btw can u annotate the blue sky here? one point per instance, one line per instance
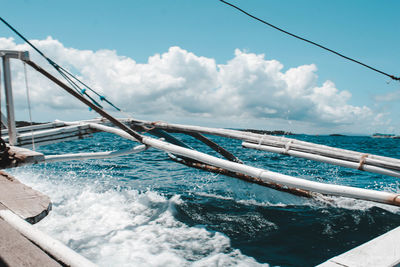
(365, 30)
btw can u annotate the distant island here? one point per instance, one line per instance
(22, 124)
(380, 135)
(276, 132)
(26, 123)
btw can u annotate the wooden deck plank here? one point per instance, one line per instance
(25, 156)
(16, 250)
(24, 201)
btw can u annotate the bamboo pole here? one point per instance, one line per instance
(319, 158)
(167, 137)
(264, 175)
(95, 155)
(279, 142)
(302, 146)
(49, 141)
(355, 160)
(206, 167)
(43, 126)
(100, 111)
(219, 149)
(265, 139)
(53, 247)
(112, 130)
(53, 135)
(281, 179)
(55, 131)
(343, 154)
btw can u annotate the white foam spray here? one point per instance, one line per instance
(124, 227)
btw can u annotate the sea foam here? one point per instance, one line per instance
(125, 227)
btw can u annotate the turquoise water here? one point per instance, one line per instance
(145, 210)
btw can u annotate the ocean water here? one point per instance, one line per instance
(145, 210)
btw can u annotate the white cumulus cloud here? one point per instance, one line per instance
(180, 83)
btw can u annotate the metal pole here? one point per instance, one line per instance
(12, 132)
(2, 122)
(3, 118)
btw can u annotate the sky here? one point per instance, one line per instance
(204, 63)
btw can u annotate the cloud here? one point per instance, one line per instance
(180, 83)
(389, 97)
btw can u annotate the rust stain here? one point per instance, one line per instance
(247, 178)
(395, 200)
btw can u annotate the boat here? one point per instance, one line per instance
(146, 135)
(380, 135)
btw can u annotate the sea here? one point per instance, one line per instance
(146, 210)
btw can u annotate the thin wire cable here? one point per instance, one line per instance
(73, 85)
(29, 105)
(90, 89)
(311, 42)
(79, 81)
(23, 38)
(59, 68)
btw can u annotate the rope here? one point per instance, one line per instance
(66, 74)
(73, 85)
(311, 42)
(102, 98)
(287, 147)
(29, 104)
(363, 158)
(260, 142)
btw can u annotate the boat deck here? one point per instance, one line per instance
(32, 206)
(17, 250)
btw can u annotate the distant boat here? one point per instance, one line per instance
(380, 135)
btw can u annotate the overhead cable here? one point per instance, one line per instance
(63, 72)
(311, 42)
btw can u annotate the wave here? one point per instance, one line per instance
(126, 227)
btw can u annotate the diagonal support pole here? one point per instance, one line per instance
(138, 137)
